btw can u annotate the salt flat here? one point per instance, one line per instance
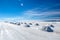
(14, 32)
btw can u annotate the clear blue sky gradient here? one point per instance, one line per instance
(12, 8)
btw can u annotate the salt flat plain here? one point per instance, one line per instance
(10, 31)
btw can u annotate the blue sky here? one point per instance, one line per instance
(30, 9)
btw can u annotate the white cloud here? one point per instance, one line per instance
(13, 19)
(34, 13)
(38, 14)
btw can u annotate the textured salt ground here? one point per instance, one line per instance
(14, 32)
